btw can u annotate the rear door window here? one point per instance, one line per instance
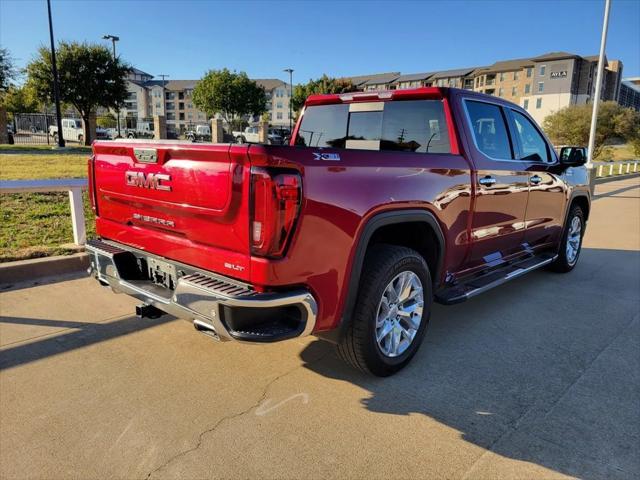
(489, 129)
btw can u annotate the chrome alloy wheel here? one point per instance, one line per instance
(399, 314)
(574, 238)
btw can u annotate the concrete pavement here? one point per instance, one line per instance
(537, 379)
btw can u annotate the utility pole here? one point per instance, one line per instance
(596, 100)
(114, 39)
(56, 87)
(290, 71)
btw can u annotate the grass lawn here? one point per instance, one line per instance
(39, 224)
(18, 166)
(621, 153)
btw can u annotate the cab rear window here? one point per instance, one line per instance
(407, 126)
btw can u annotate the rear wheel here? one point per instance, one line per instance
(391, 313)
(81, 139)
(571, 243)
(240, 139)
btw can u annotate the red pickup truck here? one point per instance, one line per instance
(383, 203)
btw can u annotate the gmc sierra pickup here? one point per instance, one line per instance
(383, 203)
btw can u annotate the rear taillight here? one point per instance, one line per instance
(275, 200)
(91, 180)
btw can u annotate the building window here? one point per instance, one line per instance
(516, 75)
(502, 77)
(181, 106)
(526, 104)
(500, 91)
(540, 86)
(181, 116)
(279, 115)
(538, 102)
(279, 105)
(527, 88)
(529, 72)
(514, 91)
(171, 106)
(543, 68)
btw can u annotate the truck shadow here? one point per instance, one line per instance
(500, 369)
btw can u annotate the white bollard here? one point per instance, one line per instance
(620, 169)
(77, 216)
(611, 169)
(628, 167)
(599, 174)
(635, 167)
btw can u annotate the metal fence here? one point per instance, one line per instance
(610, 169)
(41, 128)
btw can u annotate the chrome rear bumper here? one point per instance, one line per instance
(208, 299)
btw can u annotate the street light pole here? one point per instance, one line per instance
(114, 39)
(596, 101)
(290, 71)
(56, 87)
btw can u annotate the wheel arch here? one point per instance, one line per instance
(377, 230)
(580, 198)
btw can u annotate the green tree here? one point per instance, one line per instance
(570, 125)
(8, 70)
(20, 100)
(321, 85)
(232, 95)
(107, 121)
(89, 78)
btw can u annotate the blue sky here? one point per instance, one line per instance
(185, 38)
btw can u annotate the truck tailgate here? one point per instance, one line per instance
(182, 201)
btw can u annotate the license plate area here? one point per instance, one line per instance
(162, 273)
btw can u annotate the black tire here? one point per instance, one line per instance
(563, 263)
(240, 140)
(55, 137)
(81, 139)
(358, 346)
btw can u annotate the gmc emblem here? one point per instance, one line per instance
(153, 181)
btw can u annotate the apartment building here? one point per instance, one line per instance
(630, 93)
(278, 98)
(148, 97)
(542, 84)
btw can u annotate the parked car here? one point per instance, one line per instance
(384, 203)
(201, 133)
(252, 135)
(73, 131)
(141, 130)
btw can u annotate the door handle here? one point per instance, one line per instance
(535, 179)
(488, 180)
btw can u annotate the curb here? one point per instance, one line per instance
(613, 178)
(35, 268)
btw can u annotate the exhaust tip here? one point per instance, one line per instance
(205, 328)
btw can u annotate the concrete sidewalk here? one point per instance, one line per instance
(537, 379)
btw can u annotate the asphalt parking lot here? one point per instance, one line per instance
(537, 379)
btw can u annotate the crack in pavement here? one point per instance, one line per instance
(215, 426)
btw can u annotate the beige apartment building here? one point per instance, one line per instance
(148, 97)
(542, 84)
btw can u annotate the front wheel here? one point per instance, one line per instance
(391, 313)
(240, 140)
(571, 243)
